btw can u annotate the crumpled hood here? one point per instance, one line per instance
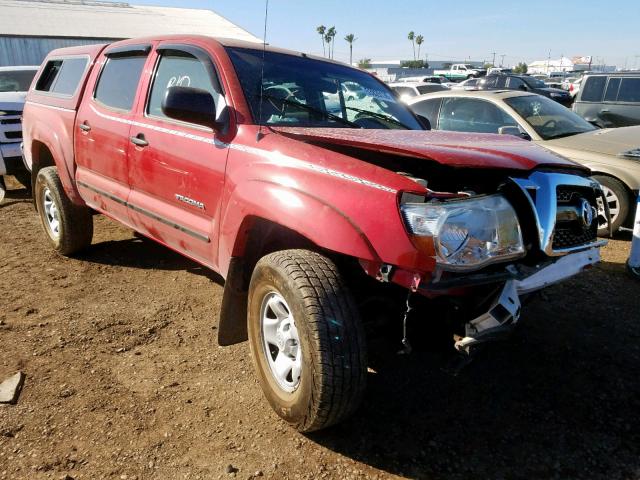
(608, 141)
(448, 148)
(12, 100)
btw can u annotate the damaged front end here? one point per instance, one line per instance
(533, 232)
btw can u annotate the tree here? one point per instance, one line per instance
(413, 64)
(350, 39)
(322, 30)
(412, 36)
(520, 68)
(419, 41)
(488, 65)
(364, 63)
(329, 37)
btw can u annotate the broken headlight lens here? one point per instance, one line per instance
(467, 234)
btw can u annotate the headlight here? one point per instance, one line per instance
(467, 234)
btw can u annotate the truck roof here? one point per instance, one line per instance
(224, 42)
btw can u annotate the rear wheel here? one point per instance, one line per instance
(617, 200)
(69, 227)
(306, 339)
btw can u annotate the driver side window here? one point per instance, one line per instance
(177, 70)
(459, 114)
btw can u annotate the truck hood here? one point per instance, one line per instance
(608, 141)
(453, 149)
(12, 100)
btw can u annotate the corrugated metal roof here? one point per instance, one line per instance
(95, 19)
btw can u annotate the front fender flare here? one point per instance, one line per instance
(314, 218)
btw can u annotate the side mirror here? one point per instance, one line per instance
(515, 131)
(523, 88)
(192, 105)
(424, 121)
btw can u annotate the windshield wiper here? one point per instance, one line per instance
(313, 109)
(381, 116)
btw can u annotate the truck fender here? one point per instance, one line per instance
(51, 142)
(295, 211)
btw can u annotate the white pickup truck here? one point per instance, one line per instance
(461, 71)
(14, 84)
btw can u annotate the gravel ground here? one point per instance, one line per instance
(125, 380)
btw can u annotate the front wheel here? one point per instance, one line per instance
(69, 227)
(618, 202)
(306, 339)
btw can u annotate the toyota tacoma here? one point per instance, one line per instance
(322, 221)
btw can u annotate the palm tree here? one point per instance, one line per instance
(321, 30)
(412, 37)
(350, 39)
(419, 41)
(331, 33)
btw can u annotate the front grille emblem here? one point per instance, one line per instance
(586, 212)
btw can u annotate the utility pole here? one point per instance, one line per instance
(494, 59)
(548, 60)
(502, 59)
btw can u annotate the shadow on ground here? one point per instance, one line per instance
(141, 252)
(560, 399)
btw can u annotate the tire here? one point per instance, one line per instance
(618, 200)
(326, 327)
(69, 227)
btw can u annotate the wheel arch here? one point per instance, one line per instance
(267, 227)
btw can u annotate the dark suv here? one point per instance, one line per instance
(609, 99)
(525, 84)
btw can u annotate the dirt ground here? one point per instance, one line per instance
(125, 380)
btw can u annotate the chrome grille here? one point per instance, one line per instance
(572, 230)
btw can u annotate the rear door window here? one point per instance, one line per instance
(612, 90)
(119, 80)
(629, 90)
(459, 114)
(593, 89)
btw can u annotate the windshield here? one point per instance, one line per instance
(16, 80)
(534, 82)
(304, 92)
(548, 118)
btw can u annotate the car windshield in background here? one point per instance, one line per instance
(534, 82)
(16, 80)
(548, 118)
(305, 92)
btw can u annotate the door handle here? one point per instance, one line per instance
(139, 140)
(85, 127)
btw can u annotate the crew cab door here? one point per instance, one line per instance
(102, 130)
(176, 167)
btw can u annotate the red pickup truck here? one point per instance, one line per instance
(326, 216)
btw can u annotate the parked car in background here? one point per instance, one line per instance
(408, 90)
(609, 99)
(14, 84)
(524, 83)
(469, 84)
(613, 155)
(461, 71)
(422, 79)
(566, 83)
(499, 71)
(574, 88)
(317, 221)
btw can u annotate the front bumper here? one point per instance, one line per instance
(505, 311)
(11, 158)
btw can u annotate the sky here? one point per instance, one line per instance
(458, 29)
